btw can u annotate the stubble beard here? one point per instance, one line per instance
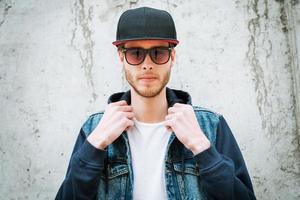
(147, 91)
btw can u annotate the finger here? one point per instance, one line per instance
(130, 124)
(129, 115)
(113, 109)
(175, 109)
(119, 103)
(124, 108)
(180, 119)
(169, 129)
(173, 116)
(169, 116)
(178, 105)
(123, 115)
(168, 125)
(171, 110)
(114, 117)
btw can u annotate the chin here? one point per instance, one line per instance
(148, 92)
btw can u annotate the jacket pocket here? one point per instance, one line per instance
(186, 168)
(188, 179)
(117, 177)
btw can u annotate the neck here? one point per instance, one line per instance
(149, 110)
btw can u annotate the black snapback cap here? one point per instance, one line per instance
(145, 24)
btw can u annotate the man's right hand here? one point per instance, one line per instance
(117, 117)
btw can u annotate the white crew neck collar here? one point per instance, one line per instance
(147, 124)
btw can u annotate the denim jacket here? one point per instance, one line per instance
(217, 173)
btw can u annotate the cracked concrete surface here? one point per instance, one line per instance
(5, 5)
(259, 55)
(82, 40)
(58, 66)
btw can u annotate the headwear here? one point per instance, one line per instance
(145, 24)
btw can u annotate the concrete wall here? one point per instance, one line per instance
(58, 66)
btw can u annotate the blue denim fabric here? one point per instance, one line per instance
(181, 170)
(217, 173)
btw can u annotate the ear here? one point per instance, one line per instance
(121, 55)
(173, 56)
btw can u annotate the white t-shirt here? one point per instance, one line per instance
(148, 145)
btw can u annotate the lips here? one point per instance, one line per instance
(147, 78)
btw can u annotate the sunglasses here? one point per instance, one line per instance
(158, 55)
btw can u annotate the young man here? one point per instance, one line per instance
(150, 143)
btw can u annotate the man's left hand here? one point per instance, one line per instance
(182, 121)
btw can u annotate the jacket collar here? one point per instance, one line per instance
(173, 96)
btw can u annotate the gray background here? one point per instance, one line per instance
(58, 66)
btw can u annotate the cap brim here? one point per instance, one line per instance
(118, 42)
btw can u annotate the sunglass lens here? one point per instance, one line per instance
(159, 55)
(135, 56)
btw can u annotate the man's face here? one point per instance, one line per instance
(147, 79)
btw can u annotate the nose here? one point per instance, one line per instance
(147, 64)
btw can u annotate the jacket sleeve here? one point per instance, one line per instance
(223, 173)
(84, 171)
